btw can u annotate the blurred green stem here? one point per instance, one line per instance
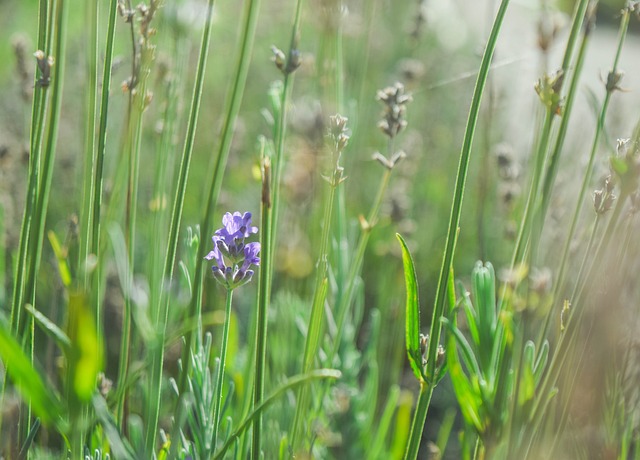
(90, 134)
(217, 398)
(586, 181)
(419, 418)
(238, 83)
(452, 233)
(160, 315)
(38, 111)
(315, 329)
(356, 264)
(98, 173)
(269, 240)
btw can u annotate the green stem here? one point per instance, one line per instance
(315, 328)
(160, 315)
(38, 111)
(420, 416)
(271, 206)
(452, 234)
(98, 174)
(554, 160)
(356, 265)
(624, 24)
(217, 398)
(461, 178)
(42, 199)
(90, 132)
(264, 294)
(239, 80)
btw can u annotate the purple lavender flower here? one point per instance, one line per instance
(233, 257)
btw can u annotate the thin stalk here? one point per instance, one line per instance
(90, 131)
(356, 265)
(602, 246)
(271, 219)
(160, 316)
(567, 339)
(624, 24)
(98, 161)
(461, 178)
(281, 128)
(167, 152)
(38, 111)
(239, 79)
(315, 328)
(217, 398)
(524, 233)
(264, 293)
(452, 233)
(42, 200)
(420, 416)
(554, 159)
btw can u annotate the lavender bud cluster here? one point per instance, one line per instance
(232, 255)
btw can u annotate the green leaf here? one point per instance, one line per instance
(120, 447)
(288, 385)
(28, 381)
(50, 328)
(63, 267)
(86, 347)
(412, 325)
(541, 362)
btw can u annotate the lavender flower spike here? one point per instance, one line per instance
(233, 257)
(236, 226)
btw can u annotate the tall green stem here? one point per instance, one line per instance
(419, 417)
(454, 222)
(586, 181)
(98, 173)
(271, 196)
(239, 79)
(160, 315)
(217, 399)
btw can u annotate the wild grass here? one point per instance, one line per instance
(229, 256)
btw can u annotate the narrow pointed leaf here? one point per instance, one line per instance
(412, 325)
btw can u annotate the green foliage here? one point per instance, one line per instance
(120, 343)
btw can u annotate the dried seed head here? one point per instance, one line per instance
(549, 27)
(395, 100)
(44, 66)
(286, 65)
(279, 58)
(603, 199)
(613, 81)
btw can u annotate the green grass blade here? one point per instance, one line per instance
(44, 402)
(290, 384)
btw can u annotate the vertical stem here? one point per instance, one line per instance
(420, 416)
(270, 222)
(90, 131)
(240, 77)
(160, 315)
(98, 178)
(452, 233)
(217, 399)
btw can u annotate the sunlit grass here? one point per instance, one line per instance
(339, 128)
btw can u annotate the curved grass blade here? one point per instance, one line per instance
(290, 384)
(27, 379)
